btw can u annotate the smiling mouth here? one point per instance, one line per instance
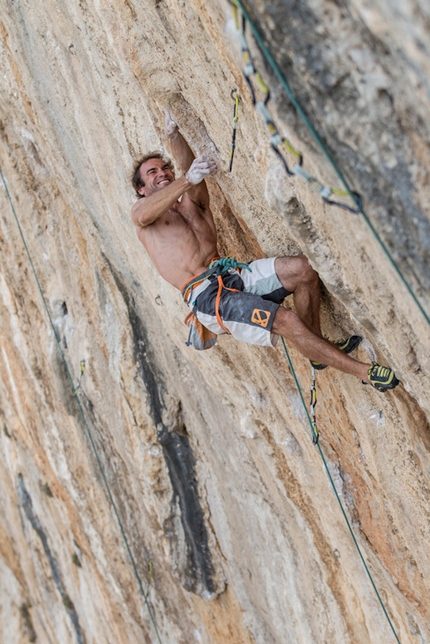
(163, 181)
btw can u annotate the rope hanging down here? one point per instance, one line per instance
(276, 140)
(237, 4)
(82, 413)
(315, 437)
(325, 192)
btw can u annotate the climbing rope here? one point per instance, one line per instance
(237, 4)
(82, 413)
(278, 142)
(225, 264)
(315, 437)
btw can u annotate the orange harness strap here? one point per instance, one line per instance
(221, 285)
(196, 280)
(227, 262)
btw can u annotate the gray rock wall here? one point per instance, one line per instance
(207, 459)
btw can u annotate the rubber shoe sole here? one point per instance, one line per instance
(346, 346)
(382, 378)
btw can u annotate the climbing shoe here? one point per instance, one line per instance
(346, 346)
(382, 378)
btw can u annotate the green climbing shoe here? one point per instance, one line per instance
(382, 378)
(346, 346)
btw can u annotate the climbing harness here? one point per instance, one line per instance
(235, 96)
(276, 140)
(218, 267)
(225, 265)
(84, 419)
(238, 5)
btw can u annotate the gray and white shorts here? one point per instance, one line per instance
(248, 310)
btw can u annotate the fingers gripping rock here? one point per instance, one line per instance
(170, 126)
(200, 168)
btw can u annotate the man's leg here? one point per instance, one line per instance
(303, 330)
(312, 346)
(297, 276)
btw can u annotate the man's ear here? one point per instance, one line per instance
(141, 191)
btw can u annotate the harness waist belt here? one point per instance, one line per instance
(218, 266)
(195, 281)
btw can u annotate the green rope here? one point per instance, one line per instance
(336, 493)
(323, 148)
(226, 263)
(89, 434)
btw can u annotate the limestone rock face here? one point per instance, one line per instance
(152, 493)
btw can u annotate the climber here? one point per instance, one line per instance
(175, 224)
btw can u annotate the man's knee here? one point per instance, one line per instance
(295, 271)
(309, 274)
(286, 323)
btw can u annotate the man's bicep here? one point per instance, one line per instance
(199, 195)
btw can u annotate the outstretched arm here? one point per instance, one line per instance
(180, 149)
(147, 210)
(184, 156)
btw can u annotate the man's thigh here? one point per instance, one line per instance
(263, 281)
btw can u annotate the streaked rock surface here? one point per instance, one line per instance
(224, 501)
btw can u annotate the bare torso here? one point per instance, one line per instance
(181, 242)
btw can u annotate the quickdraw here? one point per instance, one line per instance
(235, 96)
(312, 405)
(276, 140)
(82, 370)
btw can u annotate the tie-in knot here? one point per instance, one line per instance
(226, 263)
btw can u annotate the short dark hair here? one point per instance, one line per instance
(136, 179)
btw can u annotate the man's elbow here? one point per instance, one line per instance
(134, 209)
(138, 214)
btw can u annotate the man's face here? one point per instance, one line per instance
(156, 175)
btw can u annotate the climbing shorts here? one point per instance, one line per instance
(246, 304)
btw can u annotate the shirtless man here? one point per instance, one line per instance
(174, 223)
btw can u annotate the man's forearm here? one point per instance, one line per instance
(148, 209)
(181, 151)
